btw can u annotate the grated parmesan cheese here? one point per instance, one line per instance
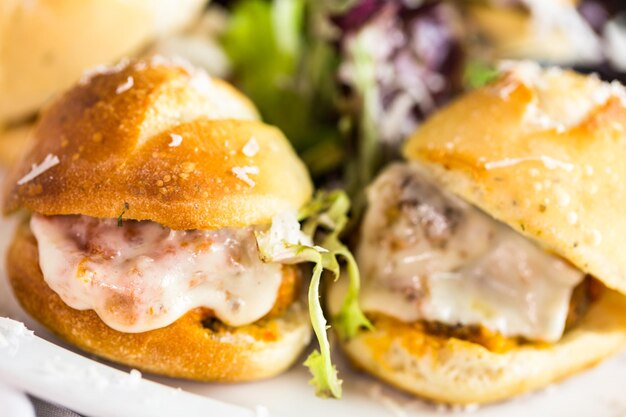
(36, 170)
(251, 147)
(102, 69)
(548, 162)
(172, 61)
(140, 66)
(134, 377)
(243, 172)
(127, 85)
(201, 82)
(176, 140)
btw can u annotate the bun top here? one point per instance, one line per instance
(45, 45)
(543, 151)
(158, 141)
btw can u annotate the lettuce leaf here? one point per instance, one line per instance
(286, 65)
(478, 74)
(350, 318)
(285, 242)
(330, 211)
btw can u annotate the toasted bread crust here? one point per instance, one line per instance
(455, 371)
(540, 150)
(165, 141)
(185, 349)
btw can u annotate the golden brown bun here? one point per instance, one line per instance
(14, 141)
(45, 45)
(542, 151)
(455, 371)
(114, 148)
(185, 349)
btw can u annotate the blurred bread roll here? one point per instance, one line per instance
(539, 152)
(544, 30)
(46, 45)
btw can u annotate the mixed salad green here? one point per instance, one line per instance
(282, 59)
(349, 80)
(345, 80)
(286, 241)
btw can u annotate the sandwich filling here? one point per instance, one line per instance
(140, 276)
(427, 255)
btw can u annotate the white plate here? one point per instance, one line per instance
(597, 392)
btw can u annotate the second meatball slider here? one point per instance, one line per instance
(493, 259)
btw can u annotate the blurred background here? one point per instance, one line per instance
(346, 80)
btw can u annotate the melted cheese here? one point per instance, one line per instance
(427, 255)
(142, 276)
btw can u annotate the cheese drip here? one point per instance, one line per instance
(142, 276)
(425, 254)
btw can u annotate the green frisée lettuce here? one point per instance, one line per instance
(478, 74)
(330, 212)
(362, 57)
(287, 242)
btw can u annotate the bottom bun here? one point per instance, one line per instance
(455, 371)
(189, 348)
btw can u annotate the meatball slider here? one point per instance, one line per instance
(492, 259)
(163, 231)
